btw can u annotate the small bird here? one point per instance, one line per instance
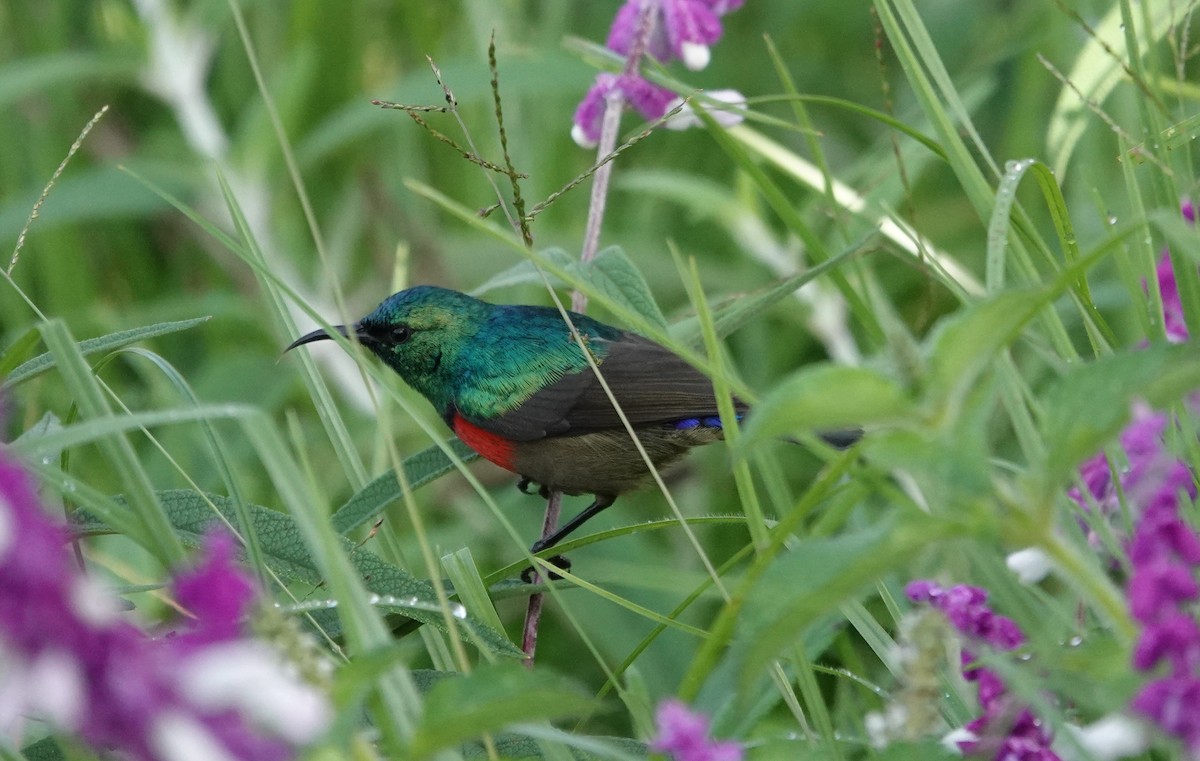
(515, 386)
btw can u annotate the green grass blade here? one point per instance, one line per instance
(45, 362)
(154, 531)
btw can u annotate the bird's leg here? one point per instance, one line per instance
(602, 501)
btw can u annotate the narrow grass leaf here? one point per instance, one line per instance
(468, 585)
(1096, 70)
(45, 362)
(154, 531)
(17, 351)
(740, 311)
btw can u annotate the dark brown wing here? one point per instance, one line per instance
(650, 382)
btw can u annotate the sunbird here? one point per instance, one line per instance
(515, 386)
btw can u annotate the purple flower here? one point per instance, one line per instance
(679, 29)
(683, 29)
(1153, 477)
(1171, 703)
(683, 733)
(1164, 554)
(1175, 638)
(1005, 729)
(1176, 328)
(967, 609)
(650, 100)
(68, 656)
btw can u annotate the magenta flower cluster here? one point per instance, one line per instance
(1164, 554)
(71, 658)
(683, 733)
(679, 29)
(1164, 551)
(1005, 730)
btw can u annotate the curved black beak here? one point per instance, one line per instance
(321, 335)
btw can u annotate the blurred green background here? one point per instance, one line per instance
(106, 253)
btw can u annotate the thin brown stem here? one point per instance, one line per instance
(533, 613)
(614, 103)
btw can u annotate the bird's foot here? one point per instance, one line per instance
(558, 561)
(525, 484)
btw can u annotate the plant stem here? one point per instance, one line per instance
(614, 104)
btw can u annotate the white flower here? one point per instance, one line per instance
(1107, 739)
(176, 737)
(727, 110)
(951, 740)
(695, 56)
(251, 677)
(1031, 565)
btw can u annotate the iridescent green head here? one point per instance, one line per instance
(418, 333)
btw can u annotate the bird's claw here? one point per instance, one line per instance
(558, 561)
(524, 485)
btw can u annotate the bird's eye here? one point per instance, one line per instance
(401, 333)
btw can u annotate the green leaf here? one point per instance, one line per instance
(35, 75)
(1100, 66)
(104, 427)
(815, 578)
(525, 271)
(45, 749)
(966, 344)
(729, 317)
(614, 273)
(1086, 408)
(581, 747)
(18, 350)
(827, 397)
(44, 362)
(419, 469)
(950, 466)
(191, 514)
(490, 699)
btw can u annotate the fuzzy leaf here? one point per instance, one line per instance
(1088, 407)
(827, 397)
(421, 468)
(489, 699)
(283, 547)
(524, 271)
(614, 273)
(816, 577)
(965, 345)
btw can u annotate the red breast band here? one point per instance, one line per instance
(489, 445)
